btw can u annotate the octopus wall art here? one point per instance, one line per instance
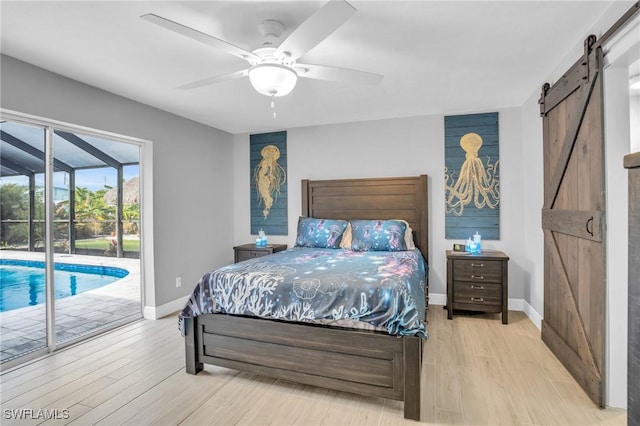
(268, 183)
(472, 182)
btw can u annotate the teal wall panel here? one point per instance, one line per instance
(268, 169)
(472, 176)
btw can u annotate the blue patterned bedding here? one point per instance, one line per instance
(378, 290)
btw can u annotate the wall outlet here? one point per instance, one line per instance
(178, 281)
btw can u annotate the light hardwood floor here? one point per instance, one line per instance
(476, 371)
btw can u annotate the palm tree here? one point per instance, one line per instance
(131, 216)
(91, 208)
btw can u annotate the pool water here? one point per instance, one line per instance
(22, 283)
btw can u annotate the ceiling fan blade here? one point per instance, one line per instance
(214, 80)
(322, 72)
(316, 28)
(200, 36)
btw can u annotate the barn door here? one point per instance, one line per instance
(573, 220)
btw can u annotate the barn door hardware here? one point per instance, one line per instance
(589, 42)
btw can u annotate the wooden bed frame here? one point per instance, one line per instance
(359, 361)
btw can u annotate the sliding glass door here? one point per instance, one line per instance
(23, 293)
(70, 241)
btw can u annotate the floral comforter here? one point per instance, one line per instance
(376, 290)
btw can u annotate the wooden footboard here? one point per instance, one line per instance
(362, 362)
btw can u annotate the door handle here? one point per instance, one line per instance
(589, 222)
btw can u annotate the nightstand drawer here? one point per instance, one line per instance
(475, 293)
(478, 270)
(249, 254)
(250, 251)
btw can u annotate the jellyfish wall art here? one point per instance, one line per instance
(472, 176)
(268, 162)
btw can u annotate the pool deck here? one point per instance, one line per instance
(23, 330)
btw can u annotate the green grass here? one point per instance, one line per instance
(128, 245)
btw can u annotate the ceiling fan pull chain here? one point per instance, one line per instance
(273, 104)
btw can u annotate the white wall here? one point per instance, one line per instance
(634, 108)
(617, 145)
(191, 170)
(396, 147)
(532, 202)
(621, 117)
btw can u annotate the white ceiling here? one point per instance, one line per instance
(437, 57)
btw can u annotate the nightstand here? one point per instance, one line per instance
(478, 282)
(250, 251)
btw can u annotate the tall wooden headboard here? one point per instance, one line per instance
(372, 198)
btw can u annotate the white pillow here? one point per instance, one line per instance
(408, 236)
(346, 237)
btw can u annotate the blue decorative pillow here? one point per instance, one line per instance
(378, 235)
(321, 233)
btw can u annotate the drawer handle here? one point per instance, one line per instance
(477, 265)
(477, 287)
(477, 299)
(477, 277)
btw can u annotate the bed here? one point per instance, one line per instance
(331, 354)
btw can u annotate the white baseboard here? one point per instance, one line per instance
(533, 315)
(437, 299)
(154, 313)
(514, 305)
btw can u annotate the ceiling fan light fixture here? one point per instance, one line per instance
(273, 79)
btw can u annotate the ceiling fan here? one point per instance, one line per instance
(273, 68)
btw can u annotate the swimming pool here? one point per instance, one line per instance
(22, 282)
